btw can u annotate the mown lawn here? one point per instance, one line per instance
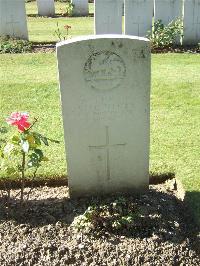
(29, 82)
(31, 8)
(42, 29)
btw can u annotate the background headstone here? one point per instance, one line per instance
(138, 17)
(105, 93)
(168, 10)
(108, 16)
(46, 7)
(13, 19)
(81, 7)
(191, 22)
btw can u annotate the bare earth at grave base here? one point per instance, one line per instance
(162, 234)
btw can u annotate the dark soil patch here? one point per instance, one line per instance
(194, 49)
(41, 232)
(7, 183)
(44, 47)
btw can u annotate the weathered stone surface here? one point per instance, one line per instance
(13, 19)
(46, 7)
(108, 16)
(105, 88)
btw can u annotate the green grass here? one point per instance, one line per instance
(41, 29)
(29, 82)
(175, 123)
(31, 8)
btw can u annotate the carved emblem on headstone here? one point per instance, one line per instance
(104, 70)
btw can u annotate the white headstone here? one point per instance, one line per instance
(105, 92)
(168, 10)
(46, 7)
(191, 22)
(138, 17)
(108, 16)
(13, 19)
(81, 7)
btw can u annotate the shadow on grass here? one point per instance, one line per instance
(43, 181)
(192, 217)
(192, 198)
(54, 16)
(58, 15)
(155, 179)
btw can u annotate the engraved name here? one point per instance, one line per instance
(100, 109)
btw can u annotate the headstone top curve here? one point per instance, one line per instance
(103, 36)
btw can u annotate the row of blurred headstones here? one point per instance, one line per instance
(139, 16)
(47, 7)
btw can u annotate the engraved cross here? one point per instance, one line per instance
(107, 146)
(198, 15)
(139, 22)
(12, 22)
(108, 22)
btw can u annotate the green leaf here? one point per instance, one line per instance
(37, 138)
(2, 141)
(1, 154)
(3, 130)
(15, 139)
(30, 139)
(45, 159)
(39, 153)
(44, 140)
(19, 167)
(16, 152)
(34, 160)
(54, 141)
(10, 170)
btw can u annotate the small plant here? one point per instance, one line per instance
(116, 215)
(22, 151)
(68, 10)
(10, 45)
(67, 27)
(165, 36)
(58, 33)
